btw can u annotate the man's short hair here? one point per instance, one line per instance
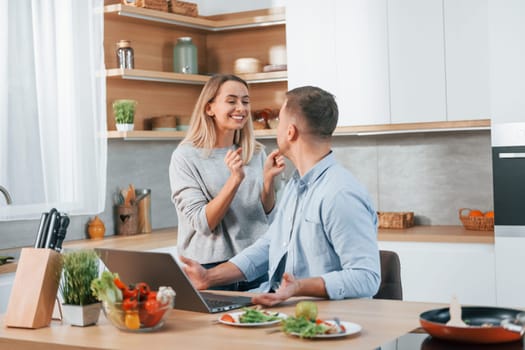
(317, 108)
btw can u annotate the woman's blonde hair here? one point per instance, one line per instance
(202, 133)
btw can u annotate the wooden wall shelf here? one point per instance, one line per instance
(364, 130)
(274, 17)
(198, 79)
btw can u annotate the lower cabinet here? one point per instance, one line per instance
(434, 272)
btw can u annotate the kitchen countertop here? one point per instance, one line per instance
(381, 322)
(168, 237)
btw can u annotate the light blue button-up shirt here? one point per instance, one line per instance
(333, 234)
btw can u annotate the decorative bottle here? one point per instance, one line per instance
(185, 56)
(125, 55)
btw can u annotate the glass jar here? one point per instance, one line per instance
(185, 56)
(125, 55)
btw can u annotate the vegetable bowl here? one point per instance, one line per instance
(134, 307)
(144, 316)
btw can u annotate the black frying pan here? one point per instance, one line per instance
(483, 325)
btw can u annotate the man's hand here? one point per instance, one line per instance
(288, 288)
(196, 273)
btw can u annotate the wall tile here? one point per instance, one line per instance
(432, 174)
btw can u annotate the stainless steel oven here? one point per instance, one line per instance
(508, 173)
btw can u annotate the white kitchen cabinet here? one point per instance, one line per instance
(342, 47)
(510, 280)
(361, 38)
(507, 60)
(467, 59)
(310, 41)
(417, 61)
(434, 272)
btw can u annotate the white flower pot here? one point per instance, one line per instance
(125, 127)
(81, 315)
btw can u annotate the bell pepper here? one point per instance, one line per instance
(132, 320)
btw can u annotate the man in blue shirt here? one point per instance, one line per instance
(323, 239)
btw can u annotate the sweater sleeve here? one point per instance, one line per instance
(186, 192)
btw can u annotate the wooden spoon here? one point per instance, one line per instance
(455, 314)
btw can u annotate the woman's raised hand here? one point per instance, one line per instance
(235, 163)
(274, 165)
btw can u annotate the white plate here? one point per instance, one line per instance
(350, 328)
(236, 316)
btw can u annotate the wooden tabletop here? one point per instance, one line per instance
(381, 322)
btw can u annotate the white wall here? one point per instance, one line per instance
(213, 7)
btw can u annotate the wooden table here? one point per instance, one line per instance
(381, 320)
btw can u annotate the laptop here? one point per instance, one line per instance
(161, 269)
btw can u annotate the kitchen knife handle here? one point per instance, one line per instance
(51, 229)
(40, 238)
(62, 230)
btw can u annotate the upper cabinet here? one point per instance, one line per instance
(220, 40)
(507, 60)
(416, 55)
(361, 39)
(394, 61)
(467, 59)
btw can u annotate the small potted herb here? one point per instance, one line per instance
(79, 268)
(124, 112)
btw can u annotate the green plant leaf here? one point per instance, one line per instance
(79, 268)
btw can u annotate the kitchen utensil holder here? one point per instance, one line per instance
(144, 210)
(34, 289)
(127, 220)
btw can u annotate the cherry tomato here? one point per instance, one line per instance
(129, 304)
(129, 293)
(227, 318)
(143, 290)
(152, 295)
(151, 312)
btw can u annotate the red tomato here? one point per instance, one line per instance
(129, 293)
(151, 313)
(227, 318)
(129, 304)
(143, 290)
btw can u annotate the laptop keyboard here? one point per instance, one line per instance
(215, 303)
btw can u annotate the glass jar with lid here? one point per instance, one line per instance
(125, 59)
(185, 56)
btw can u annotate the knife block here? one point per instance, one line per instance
(34, 289)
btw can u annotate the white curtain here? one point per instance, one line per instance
(53, 145)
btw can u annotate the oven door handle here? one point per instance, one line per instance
(506, 155)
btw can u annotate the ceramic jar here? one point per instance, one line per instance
(96, 228)
(185, 56)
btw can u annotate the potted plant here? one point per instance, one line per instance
(124, 111)
(79, 306)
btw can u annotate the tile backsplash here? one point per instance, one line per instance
(432, 174)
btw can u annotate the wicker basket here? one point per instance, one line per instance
(159, 5)
(184, 8)
(395, 219)
(475, 223)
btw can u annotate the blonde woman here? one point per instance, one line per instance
(221, 179)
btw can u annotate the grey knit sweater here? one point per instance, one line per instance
(196, 177)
